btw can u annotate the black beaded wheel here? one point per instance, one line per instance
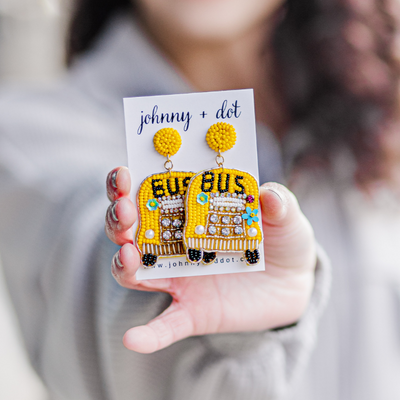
(194, 255)
(252, 257)
(148, 260)
(209, 258)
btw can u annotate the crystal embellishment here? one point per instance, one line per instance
(237, 220)
(212, 230)
(167, 235)
(225, 231)
(177, 223)
(238, 230)
(166, 222)
(214, 218)
(225, 219)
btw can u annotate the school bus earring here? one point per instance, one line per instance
(161, 205)
(222, 207)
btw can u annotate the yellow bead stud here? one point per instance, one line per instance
(221, 136)
(167, 141)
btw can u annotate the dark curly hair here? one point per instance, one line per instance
(337, 72)
(340, 78)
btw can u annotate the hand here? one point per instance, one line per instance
(201, 305)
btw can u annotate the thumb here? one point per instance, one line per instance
(279, 205)
(288, 236)
(174, 324)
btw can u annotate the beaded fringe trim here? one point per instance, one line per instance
(222, 244)
(164, 249)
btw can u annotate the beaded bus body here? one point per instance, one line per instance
(161, 205)
(222, 211)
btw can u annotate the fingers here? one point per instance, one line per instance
(288, 236)
(174, 324)
(276, 200)
(124, 266)
(120, 216)
(118, 183)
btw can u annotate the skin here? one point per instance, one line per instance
(216, 45)
(254, 301)
(221, 45)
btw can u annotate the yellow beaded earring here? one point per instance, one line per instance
(222, 207)
(161, 206)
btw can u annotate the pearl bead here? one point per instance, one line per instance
(199, 230)
(252, 232)
(149, 234)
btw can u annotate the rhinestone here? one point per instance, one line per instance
(239, 196)
(225, 231)
(234, 195)
(221, 209)
(181, 209)
(244, 195)
(214, 218)
(178, 235)
(164, 198)
(252, 232)
(238, 230)
(225, 219)
(211, 201)
(166, 222)
(173, 197)
(212, 194)
(212, 230)
(168, 197)
(162, 211)
(199, 230)
(233, 209)
(228, 195)
(167, 211)
(149, 234)
(167, 235)
(217, 194)
(177, 223)
(211, 207)
(222, 194)
(237, 220)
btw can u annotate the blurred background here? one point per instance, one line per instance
(31, 52)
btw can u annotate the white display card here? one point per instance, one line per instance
(193, 114)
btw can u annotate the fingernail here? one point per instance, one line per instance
(114, 179)
(117, 261)
(276, 194)
(113, 214)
